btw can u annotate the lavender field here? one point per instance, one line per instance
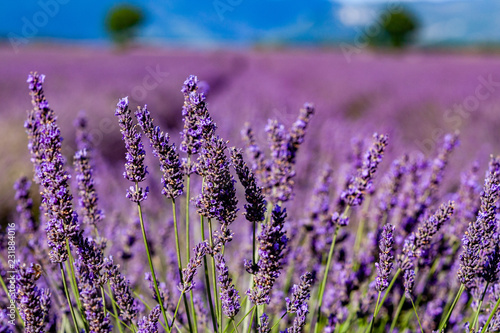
(257, 191)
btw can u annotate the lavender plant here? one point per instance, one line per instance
(383, 243)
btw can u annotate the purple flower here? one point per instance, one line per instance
(300, 293)
(409, 281)
(198, 125)
(431, 226)
(357, 185)
(255, 154)
(150, 324)
(87, 196)
(218, 197)
(90, 254)
(300, 320)
(45, 146)
(384, 266)
(388, 197)
(135, 170)
(228, 294)
(24, 206)
(440, 162)
(298, 130)
(33, 303)
(91, 300)
(83, 138)
(121, 288)
(272, 243)
(256, 204)
(480, 239)
(170, 164)
(189, 272)
(264, 324)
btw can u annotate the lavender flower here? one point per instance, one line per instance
(320, 201)
(431, 226)
(300, 321)
(218, 198)
(90, 254)
(273, 241)
(389, 196)
(264, 324)
(87, 195)
(24, 206)
(91, 300)
(32, 302)
(256, 204)
(198, 125)
(122, 291)
(440, 162)
(135, 170)
(228, 294)
(384, 266)
(353, 195)
(255, 154)
(480, 239)
(189, 272)
(170, 164)
(37, 118)
(409, 281)
(83, 138)
(280, 182)
(298, 130)
(45, 146)
(300, 293)
(150, 324)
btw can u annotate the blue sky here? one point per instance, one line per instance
(246, 22)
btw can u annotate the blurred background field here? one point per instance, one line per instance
(258, 60)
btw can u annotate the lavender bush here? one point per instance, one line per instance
(228, 246)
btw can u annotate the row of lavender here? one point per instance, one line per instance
(399, 256)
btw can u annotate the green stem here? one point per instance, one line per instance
(279, 320)
(416, 314)
(103, 300)
(251, 319)
(151, 267)
(207, 279)
(241, 320)
(63, 276)
(375, 312)
(322, 286)
(188, 190)
(398, 312)
(119, 321)
(214, 278)
(234, 325)
(479, 306)
(115, 310)
(448, 315)
(179, 260)
(195, 321)
(398, 272)
(176, 310)
(74, 286)
(485, 327)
